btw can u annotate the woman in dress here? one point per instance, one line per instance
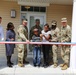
(10, 36)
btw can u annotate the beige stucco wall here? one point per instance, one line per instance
(55, 12)
(5, 10)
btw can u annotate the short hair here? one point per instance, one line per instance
(0, 17)
(37, 20)
(46, 25)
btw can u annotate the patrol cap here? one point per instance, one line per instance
(54, 22)
(35, 30)
(63, 19)
(24, 20)
(37, 20)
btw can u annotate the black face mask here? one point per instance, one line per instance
(53, 27)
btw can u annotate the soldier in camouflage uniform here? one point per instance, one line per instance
(22, 48)
(65, 37)
(36, 26)
(55, 36)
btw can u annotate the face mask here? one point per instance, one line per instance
(53, 26)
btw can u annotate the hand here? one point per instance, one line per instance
(41, 35)
(12, 39)
(27, 41)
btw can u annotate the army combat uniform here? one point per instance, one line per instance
(65, 50)
(55, 37)
(22, 48)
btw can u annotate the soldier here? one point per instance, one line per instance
(36, 26)
(55, 36)
(65, 37)
(22, 49)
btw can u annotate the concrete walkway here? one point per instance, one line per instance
(29, 69)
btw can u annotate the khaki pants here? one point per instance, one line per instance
(22, 53)
(54, 50)
(65, 53)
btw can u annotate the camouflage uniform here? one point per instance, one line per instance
(55, 36)
(22, 48)
(65, 37)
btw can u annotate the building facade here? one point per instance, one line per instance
(54, 11)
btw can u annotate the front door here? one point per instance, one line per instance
(31, 22)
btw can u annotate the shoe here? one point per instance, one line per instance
(39, 65)
(11, 63)
(35, 65)
(64, 67)
(45, 66)
(61, 65)
(55, 65)
(21, 65)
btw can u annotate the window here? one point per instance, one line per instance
(33, 9)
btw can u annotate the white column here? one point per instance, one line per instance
(73, 39)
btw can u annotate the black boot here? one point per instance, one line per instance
(8, 62)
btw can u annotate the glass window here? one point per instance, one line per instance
(42, 9)
(36, 9)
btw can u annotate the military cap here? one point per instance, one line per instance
(54, 22)
(24, 20)
(63, 19)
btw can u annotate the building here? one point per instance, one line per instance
(45, 10)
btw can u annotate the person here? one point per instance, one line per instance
(45, 36)
(65, 37)
(37, 21)
(10, 36)
(1, 31)
(36, 49)
(22, 48)
(55, 38)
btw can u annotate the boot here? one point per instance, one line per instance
(64, 67)
(61, 65)
(55, 65)
(21, 65)
(8, 62)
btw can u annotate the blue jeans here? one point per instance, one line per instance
(37, 55)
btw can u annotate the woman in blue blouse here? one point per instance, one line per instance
(10, 36)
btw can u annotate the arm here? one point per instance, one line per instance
(68, 39)
(47, 38)
(2, 34)
(21, 33)
(8, 36)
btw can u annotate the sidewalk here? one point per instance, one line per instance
(29, 69)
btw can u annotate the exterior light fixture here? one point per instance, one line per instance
(13, 13)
